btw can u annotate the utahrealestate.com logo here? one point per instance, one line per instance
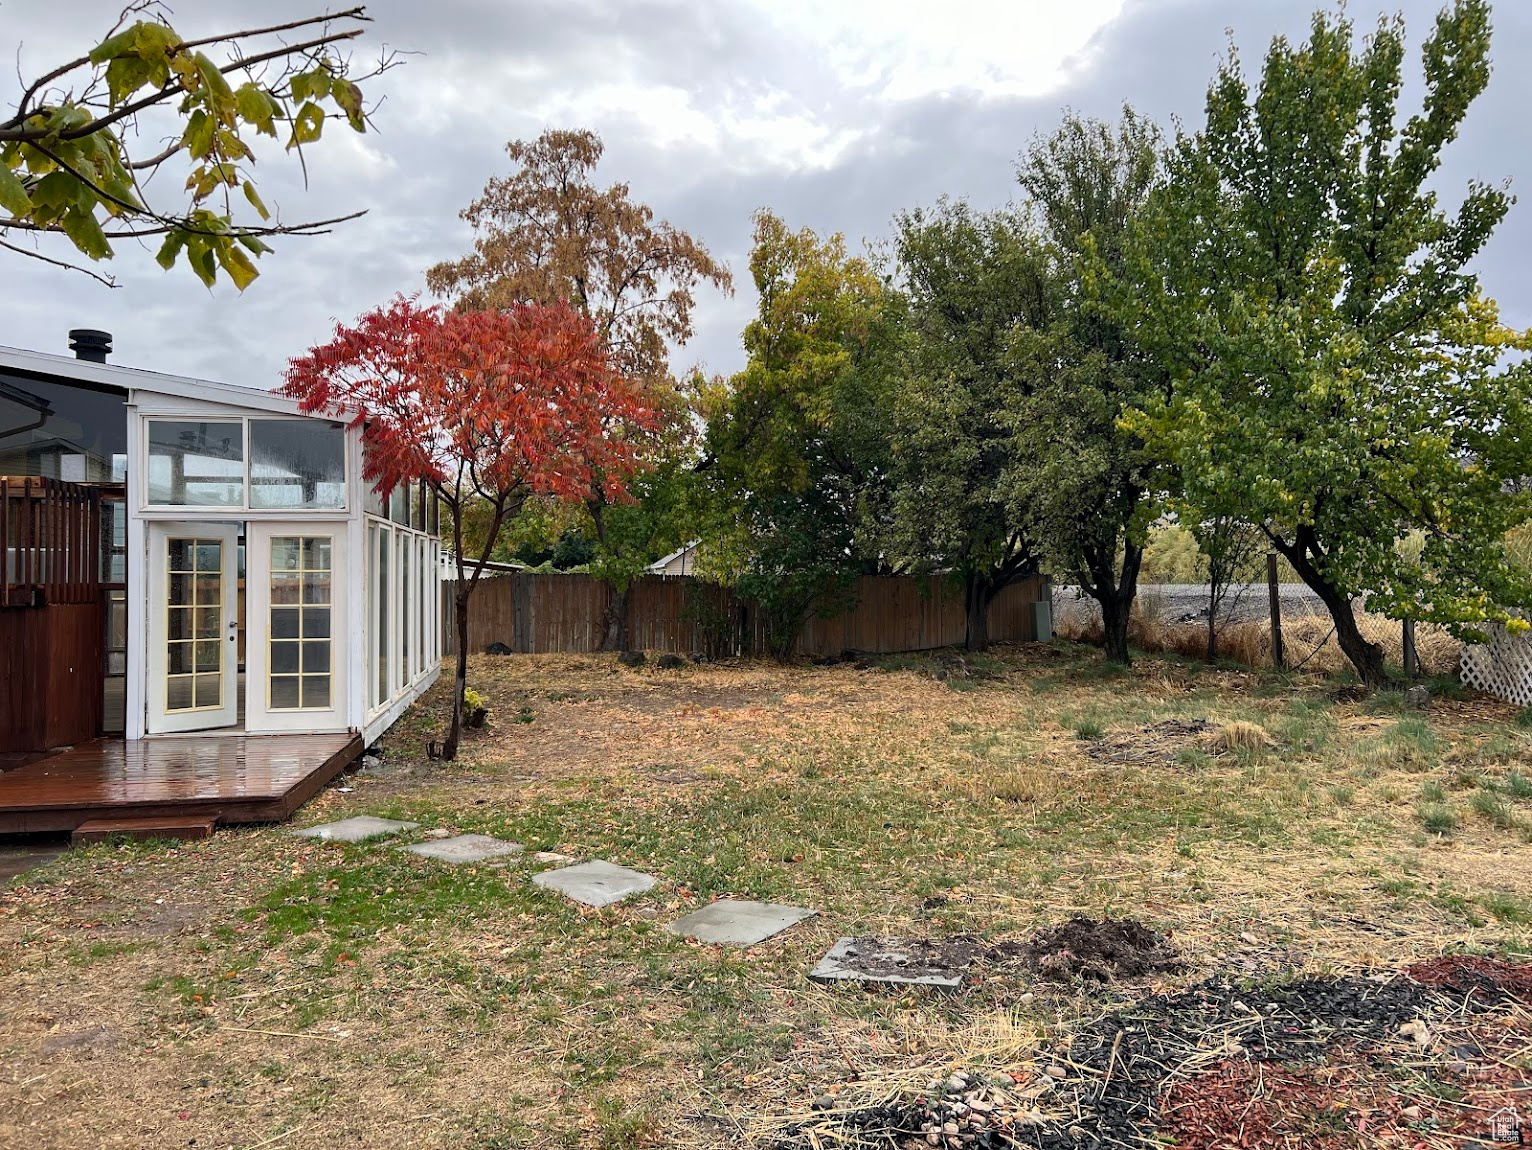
(1505, 1126)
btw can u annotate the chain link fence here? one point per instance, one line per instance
(1174, 617)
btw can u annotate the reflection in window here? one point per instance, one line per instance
(196, 464)
(297, 463)
(298, 670)
(62, 431)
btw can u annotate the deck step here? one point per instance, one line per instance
(167, 827)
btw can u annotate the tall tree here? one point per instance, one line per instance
(1081, 478)
(71, 164)
(548, 233)
(1338, 376)
(796, 445)
(486, 407)
(972, 280)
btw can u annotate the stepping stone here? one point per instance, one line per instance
(465, 849)
(595, 883)
(355, 830)
(909, 962)
(738, 922)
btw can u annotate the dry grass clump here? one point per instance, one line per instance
(1243, 736)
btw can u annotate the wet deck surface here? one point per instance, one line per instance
(233, 778)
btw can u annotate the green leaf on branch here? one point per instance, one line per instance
(255, 200)
(236, 263)
(307, 125)
(13, 194)
(256, 108)
(166, 256)
(349, 97)
(85, 233)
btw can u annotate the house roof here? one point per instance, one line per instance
(674, 555)
(132, 380)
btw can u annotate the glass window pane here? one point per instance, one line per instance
(316, 588)
(286, 553)
(209, 556)
(209, 590)
(178, 658)
(196, 464)
(285, 622)
(316, 691)
(178, 693)
(209, 690)
(284, 657)
(178, 622)
(284, 691)
(208, 654)
(297, 463)
(68, 431)
(178, 555)
(316, 623)
(209, 620)
(316, 657)
(286, 588)
(316, 553)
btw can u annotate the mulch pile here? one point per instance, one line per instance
(1430, 1058)
(1099, 950)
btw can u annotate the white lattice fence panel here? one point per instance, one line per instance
(1502, 667)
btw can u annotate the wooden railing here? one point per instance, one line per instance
(50, 542)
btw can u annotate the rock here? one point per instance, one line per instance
(957, 1084)
(950, 1128)
(1418, 1030)
(631, 658)
(497, 648)
(934, 1137)
(1418, 696)
(980, 1106)
(935, 1086)
(439, 833)
(1411, 1113)
(699, 658)
(371, 762)
(1056, 1071)
(824, 1102)
(668, 662)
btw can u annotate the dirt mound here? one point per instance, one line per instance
(1484, 977)
(1101, 950)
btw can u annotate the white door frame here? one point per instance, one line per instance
(160, 719)
(260, 714)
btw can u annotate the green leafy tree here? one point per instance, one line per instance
(1080, 476)
(71, 163)
(795, 461)
(1337, 375)
(972, 280)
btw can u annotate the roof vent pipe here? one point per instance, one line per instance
(89, 344)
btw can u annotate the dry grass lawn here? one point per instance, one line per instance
(258, 990)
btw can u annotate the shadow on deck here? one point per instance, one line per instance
(217, 778)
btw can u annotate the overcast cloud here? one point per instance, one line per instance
(834, 113)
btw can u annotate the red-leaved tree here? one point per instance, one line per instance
(490, 406)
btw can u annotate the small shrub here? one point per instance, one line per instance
(1433, 793)
(1088, 731)
(1524, 717)
(1518, 786)
(1438, 820)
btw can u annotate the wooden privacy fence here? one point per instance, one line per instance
(50, 538)
(539, 614)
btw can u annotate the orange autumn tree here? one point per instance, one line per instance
(492, 406)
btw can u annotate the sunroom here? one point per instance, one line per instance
(247, 583)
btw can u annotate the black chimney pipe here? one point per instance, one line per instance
(89, 344)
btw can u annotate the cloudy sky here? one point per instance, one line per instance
(834, 113)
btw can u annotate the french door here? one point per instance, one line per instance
(193, 626)
(296, 654)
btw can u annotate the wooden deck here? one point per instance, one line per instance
(229, 778)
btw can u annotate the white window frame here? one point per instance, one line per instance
(243, 508)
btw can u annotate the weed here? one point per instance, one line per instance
(1518, 786)
(1433, 793)
(1089, 731)
(1437, 819)
(1493, 807)
(1524, 717)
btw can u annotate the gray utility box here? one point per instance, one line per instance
(1042, 620)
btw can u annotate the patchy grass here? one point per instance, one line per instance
(256, 988)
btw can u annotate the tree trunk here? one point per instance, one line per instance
(1114, 625)
(460, 683)
(619, 606)
(1212, 631)
(977, 596)
(1366, 657)
(1115, 593)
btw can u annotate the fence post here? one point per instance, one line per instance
(1274, 589)
(1411, 657)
